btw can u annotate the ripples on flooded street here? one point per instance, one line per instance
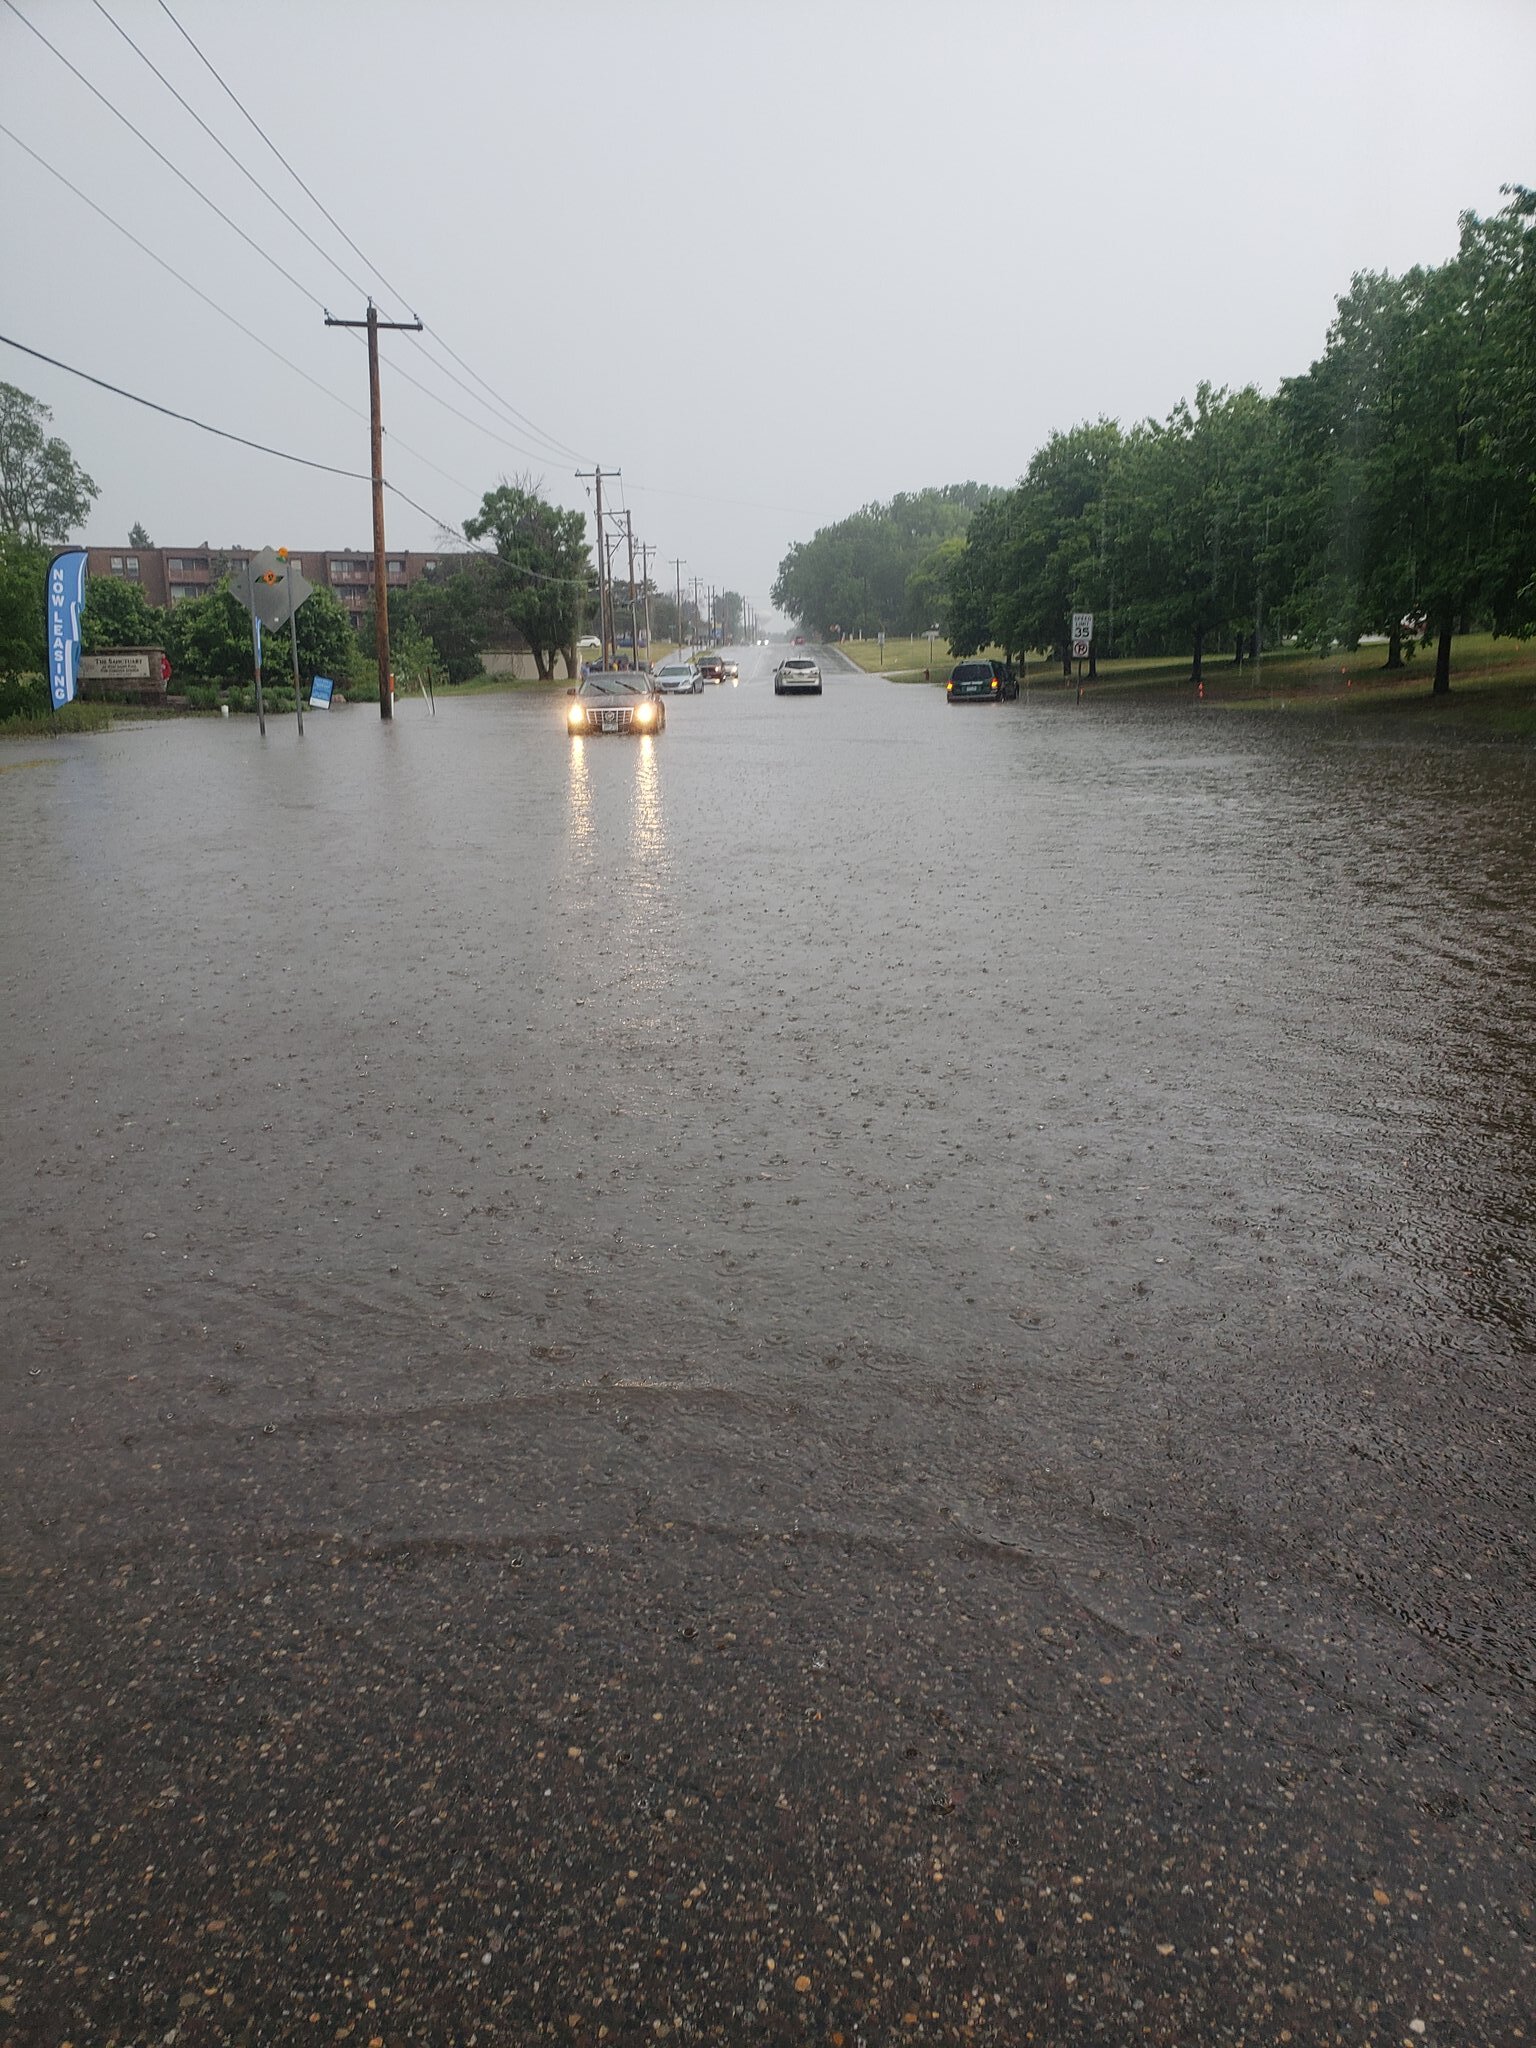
(863, 1372)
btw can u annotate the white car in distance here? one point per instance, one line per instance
(679, 679)
(797, 672)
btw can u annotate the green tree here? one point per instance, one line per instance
(117, 614)
(1416, 439)
(928, 585)
(43, 490)
(452, 614)
(208, 640)
(539, 578)
(137, 537)
(1036, 554)
(1192, 519)
(852, 577)
(23, 600)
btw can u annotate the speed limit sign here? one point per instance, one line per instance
(1082, 635)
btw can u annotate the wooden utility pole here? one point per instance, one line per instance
(634, 618)
(677, 571)
(604, 601)
(376, 422)
(647, 549)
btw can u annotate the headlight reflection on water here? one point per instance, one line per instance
(579, 778)
(647, 832)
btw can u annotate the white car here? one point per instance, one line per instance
(797, 672)
(679, 679)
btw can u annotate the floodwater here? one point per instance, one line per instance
(862, 1373)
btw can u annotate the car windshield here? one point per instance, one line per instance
(612, 684)
(799, 661)
(675, 668)
(973, 672)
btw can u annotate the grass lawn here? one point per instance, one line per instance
(1492, 695)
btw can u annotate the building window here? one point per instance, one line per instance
(173, 565)
(117, 565)
(133, 565)
(397, 568)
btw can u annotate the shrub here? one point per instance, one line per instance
(24, 696)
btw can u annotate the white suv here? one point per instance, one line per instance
(797, 672)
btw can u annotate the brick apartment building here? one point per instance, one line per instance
(168, 576)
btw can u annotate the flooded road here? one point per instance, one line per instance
(861, 1373)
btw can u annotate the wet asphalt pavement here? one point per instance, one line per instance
(859, 1375)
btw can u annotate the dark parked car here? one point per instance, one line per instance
(981, 682)
(710, 667)
(616, 700)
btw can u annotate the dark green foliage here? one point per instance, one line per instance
(857, 576)
(1388, 489)
(456, 614)
(537, 580)
(44, 492)
(24, 696)
(1415, 443)
(208, 640)
(23, 594)
(117, 614)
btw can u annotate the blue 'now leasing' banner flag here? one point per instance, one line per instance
(66, 601)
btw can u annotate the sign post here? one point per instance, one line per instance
(1082, 642)
(272, 587)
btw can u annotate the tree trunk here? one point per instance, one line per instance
(1093, 659)
(1237, 652)
(1066, 652)
(1197, 672)
(544, 664)
(1395, 645)
(1443, 659)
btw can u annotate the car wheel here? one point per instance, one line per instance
(818, 689)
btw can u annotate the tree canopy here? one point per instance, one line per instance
(858, 575)
(539, 575)
(44, 493)
(1388, 489)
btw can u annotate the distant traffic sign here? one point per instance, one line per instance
(1082, 635)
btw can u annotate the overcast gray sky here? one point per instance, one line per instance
(772, 261)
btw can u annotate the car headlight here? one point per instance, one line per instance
(576, 715)
(644, 713)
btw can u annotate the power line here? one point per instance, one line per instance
(305, 461)
(224, 312)
(560, 447)
(490, 554)
(249, 175)
(250, 118)
(196, 290)
(557, 448)
(283, 455)
(191, 186)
